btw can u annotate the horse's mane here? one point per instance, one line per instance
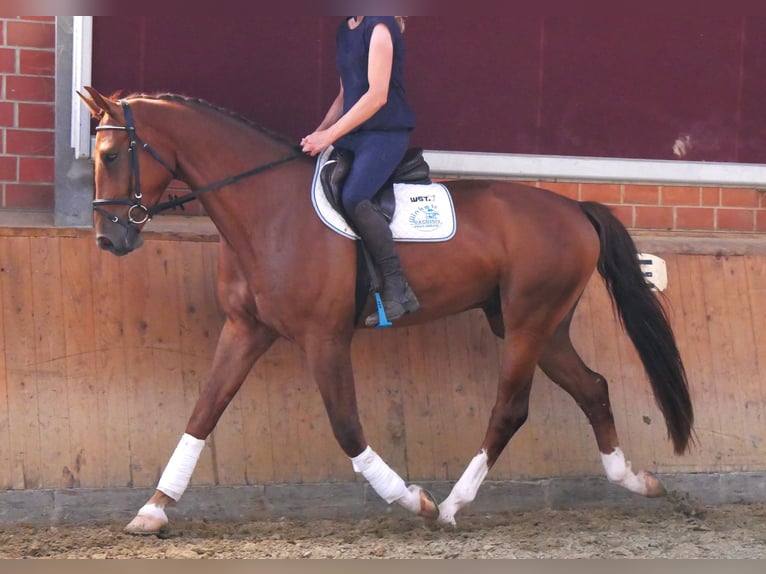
(192, 101)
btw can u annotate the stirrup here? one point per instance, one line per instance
(381, 319)
(396, 310)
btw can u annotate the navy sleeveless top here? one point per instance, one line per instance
(352, 58)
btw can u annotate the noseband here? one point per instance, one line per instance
(138, 213)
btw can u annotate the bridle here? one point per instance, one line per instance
(138, 213)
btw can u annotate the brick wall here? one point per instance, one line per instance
(27, 95)
(679, 208)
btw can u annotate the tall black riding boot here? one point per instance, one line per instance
(398, 298)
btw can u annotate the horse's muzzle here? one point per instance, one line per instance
(122, 241)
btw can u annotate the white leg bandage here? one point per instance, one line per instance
(384, 480)
(618, 470)
(153, 511)
(465, 488)
(178, 471)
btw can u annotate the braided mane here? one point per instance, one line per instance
(192, 101)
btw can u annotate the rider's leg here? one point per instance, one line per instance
(376, 155)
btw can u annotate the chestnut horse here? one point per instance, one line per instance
(524, 255)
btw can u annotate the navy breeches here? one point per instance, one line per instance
(376, 155)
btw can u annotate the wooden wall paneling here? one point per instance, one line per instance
(679, 318)
(422, 402)
(110, 345)
(199, 327)
(283, 400)
(254, 400)
(86, 394)
(747, 383)
(104, 358)
(573, 445)
(704, 386)
(256, 426)
(531, 449)
(20, 350)
(450, 374)
(6, 447)
(160, 335)
(483, 362)
(558, 442)
(259, 435)
(717, 289)
(388, 398)
(528, 453)
(318, 451)
(148, 453)
(380, 361)
(469, 368)
(47, 289)
(586, 339)
(419, 437)
(440, 393)
(756, 283)
(468, 417)
(162, 344)
(686, 327)
(227, 442)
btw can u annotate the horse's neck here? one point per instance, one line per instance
(218, 151)
(224, 149)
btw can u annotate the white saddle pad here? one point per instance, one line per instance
(423, 212)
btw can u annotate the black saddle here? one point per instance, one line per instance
(412, 169)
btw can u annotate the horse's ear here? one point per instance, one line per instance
(98, 104)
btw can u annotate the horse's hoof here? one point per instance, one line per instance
(144, 525)
(446, 520)
(447, 511)
(429, 509)
(654, 488)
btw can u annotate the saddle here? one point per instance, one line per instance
(412, 169)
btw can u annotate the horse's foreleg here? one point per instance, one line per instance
(508, 415)
(331, 365)
(589, 389)
(239, 346)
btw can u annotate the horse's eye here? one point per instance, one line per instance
(109, 157)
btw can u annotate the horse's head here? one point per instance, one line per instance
(130, 175)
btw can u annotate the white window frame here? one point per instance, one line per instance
(477, 164)
(596, 169)
(82, 61)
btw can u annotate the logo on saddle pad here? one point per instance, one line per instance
(424, 212)
(425, 218)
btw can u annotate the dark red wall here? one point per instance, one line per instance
(593, 86)
(270, 71)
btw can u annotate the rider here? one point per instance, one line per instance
(372, 118)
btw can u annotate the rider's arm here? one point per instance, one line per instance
(334, 113)
(380, 63)
(379, 67)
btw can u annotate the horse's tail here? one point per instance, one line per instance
(645, 320)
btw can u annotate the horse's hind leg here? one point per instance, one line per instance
(564, 366)
(241, 342)
(508, 415)
(330, 361)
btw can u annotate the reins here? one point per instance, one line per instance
(135, 178)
